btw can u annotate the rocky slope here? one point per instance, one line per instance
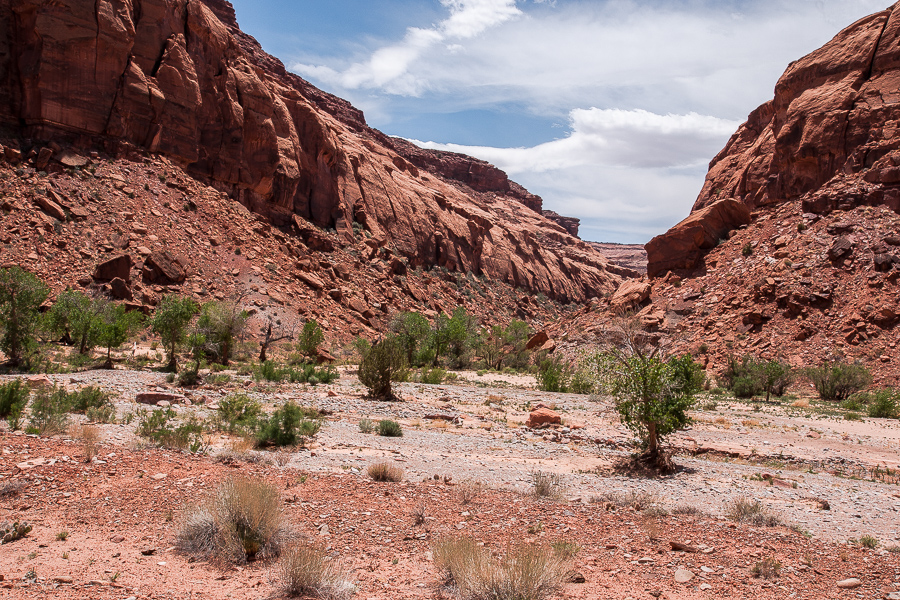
(791, 249)
(177, 78)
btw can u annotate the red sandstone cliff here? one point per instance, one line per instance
(178, 78)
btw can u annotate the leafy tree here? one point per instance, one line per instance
(491, 346)
(74, 317)
(411, 330)
(462, 334)
(170, 322)
(196, 343)
(380, 366)
(652, 393)
(838, 380)
(439, 338)
(21, 296)
(311, 336)
(114, 326)
(221, 323)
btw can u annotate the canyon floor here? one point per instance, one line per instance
(469, 463)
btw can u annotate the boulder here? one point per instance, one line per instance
(630, 295)
(684, 245)
(119, 289)
(153, 398)
(543, 416)
(161, 268)
(537, 340)
(841, 248)
(119, 266)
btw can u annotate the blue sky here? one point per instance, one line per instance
(608, 109)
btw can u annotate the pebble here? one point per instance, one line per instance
(683, 576)
(849, 584)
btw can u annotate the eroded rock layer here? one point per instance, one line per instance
(178, 78)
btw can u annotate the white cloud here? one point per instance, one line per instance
(635, 171)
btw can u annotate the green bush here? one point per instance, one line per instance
(366, 426)
(188, 377)
(13, 398)
(751, 377)
(554, 375)
(157, 426)
(269, 371)
(838, 380)
(381, 365)
(287, 426)
(171, 320)
(745, 387)
(433, 376)
(239, 412)
(86, 398)
(49, 410)
(388, 428)
(883, 404)
(101, 414)
(310, 339)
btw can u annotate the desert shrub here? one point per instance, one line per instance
(101, 414)
(547, 485)
(752, 377)
(838, 380)
(220, 324)
(48, 414)
(883, 404)
(158, 427)
(270, 371)
(565, 549)
(309, 572)
(745, 510)
(13, 398)
(745, 387)
(388, 428)
(287, 426)
(241, 521)
(238, 413)
(311, 374)
(524, 572)
(366, 425)
(857, 402)
(433, 376)
(553, 375)
(868, 541)
(90, 442)
(384, 471)
(86, 398)
(380, 366)
(188, 377)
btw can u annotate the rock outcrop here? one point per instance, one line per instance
(683, 246)
(830, 136)
(178, 78)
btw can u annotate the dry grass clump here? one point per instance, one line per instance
(526, 572)
(468, 490)
(89, 436)
(687, 510)
(8, 489)
(547, 485)
(309, 572)
(745, 510)
(767, 568)
(385, 471)
(240, 522)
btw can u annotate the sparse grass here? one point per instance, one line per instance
(241, 521)
(687, 510)
(893, 549)
(385, 471)
(61, 536)
(418, 514)
(767, 568)
(868, 541)
(309, 572)
(525, 572)
(745, 510)
(89, 436)
(565, 549)
(388, 428)
(468, 490)
(547, 485)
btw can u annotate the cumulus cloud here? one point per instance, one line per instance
(629, 174)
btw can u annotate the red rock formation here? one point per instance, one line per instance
(178, 78)
(682, 246)
(829, 137)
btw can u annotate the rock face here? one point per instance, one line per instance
(682, 246)
(829, 137)
(178, 78)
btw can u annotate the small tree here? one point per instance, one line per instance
(114, 326)
(21, 296)
(73, 317)
(311, 336)
(380, 366)
(652, 393)
(273, 334)
(221, 323)
(411, 330)
(173, 315)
